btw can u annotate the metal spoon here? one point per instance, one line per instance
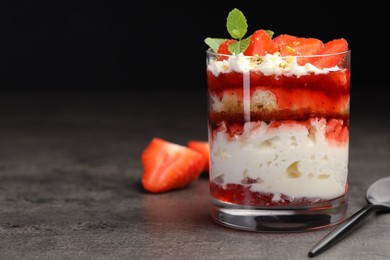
(378, 197)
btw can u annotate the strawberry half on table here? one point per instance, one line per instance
(204, 149)
(169, 166)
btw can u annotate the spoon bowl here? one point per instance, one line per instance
(379, 192)
(378, 198)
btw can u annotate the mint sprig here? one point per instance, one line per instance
(236, 24)
(214, 43)
(270, 33)
(237, 27)
(239, 46)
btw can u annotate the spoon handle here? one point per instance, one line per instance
(343, 229)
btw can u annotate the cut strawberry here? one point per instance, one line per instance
(260, 44)
(169, 166)
(332, 47)
(283, 43)
(289, 45)
(204, 149)
(224, 49)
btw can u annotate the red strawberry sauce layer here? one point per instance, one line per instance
(242, 195)
(323, 95)
(299, 100)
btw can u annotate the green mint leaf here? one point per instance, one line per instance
(270, 33)
(236, 24)
(239, 46)
(214, 43)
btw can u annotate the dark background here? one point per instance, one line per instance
(85, 86)
(114, 45)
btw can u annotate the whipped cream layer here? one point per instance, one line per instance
(270, 64)
(292, 159)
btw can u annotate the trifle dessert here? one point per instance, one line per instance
(278, 114)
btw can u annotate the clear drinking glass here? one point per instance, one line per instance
(279, 140)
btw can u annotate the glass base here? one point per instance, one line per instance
(280, 219)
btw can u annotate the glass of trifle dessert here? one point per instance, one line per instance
(278, 124)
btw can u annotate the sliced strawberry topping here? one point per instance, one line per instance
(169, 166)
(203, 148)
(332, 47)
(289, 45)
(284, 43)
(224, 48)
(260, 44)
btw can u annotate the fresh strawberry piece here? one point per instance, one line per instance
(260, 44)
(204, 148)
(308, 46)
(335, 46)
(224, 49)
(282, 41)
(289, 45)
(169, 166)
(332, 47)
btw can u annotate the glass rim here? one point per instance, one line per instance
(209, 51)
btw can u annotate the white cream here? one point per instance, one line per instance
(271, 64)
(290, 159)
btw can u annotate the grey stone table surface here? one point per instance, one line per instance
(70, 187)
